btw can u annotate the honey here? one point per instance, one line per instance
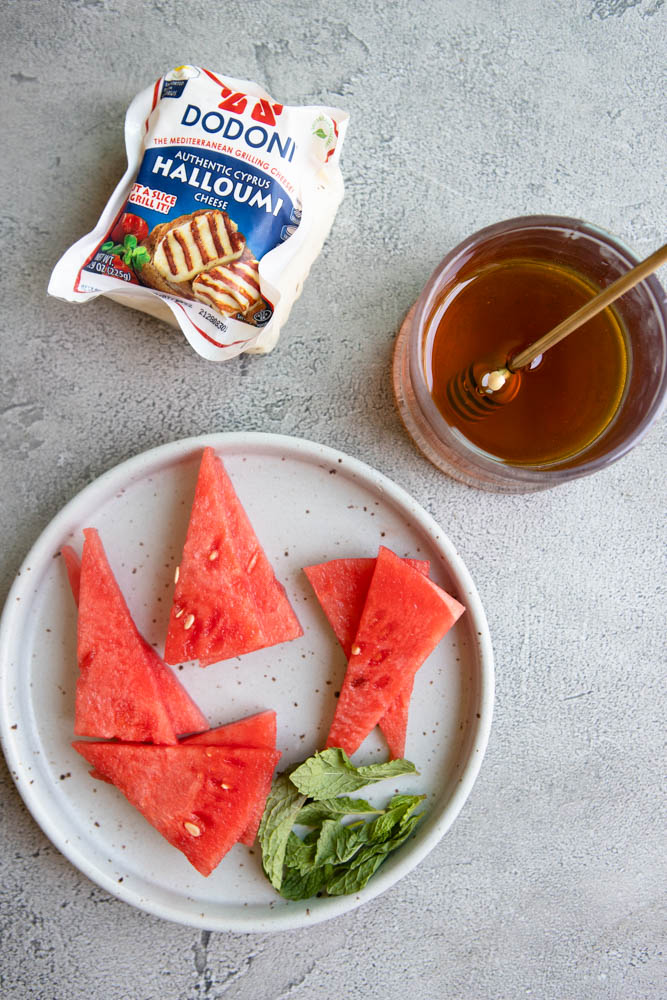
(567, 398)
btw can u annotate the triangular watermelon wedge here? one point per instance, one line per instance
(198, 797)
(183, 713)
(254, 731)
(117, 693)
(404, 618)
(73, 567)
(341, 587)
(226, 599)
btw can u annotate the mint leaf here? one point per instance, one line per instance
(354, 879)
(349, 841)
(297, 886)
(367, 861)
(326, 849)
(321, 133)
(282, 805)
(299, 855)
(314, 812)
(331, 773)
(390, 769)
(325, 775)
(400, 807)
(130, 241)
(390, 843)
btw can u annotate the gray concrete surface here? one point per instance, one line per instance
(551, 884)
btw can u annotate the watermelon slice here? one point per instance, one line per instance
(341, 586)
(254, 731)
(198, 797)
(117, 693)
(183, 713)
(73, 567)
(404, 618)
(227, 600)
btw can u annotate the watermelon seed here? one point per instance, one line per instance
(189, 622)
(178, 613)
(193, 829)
(356, 650)
(253, 560)
(213, 556)
(177, 573)
(226, 787)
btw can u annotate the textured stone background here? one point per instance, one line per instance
(551, 882)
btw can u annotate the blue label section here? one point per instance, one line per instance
(201, 179)
(173, 183)
(173, 88)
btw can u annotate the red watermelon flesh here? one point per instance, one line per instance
(198, 797)
(279, 622)
(394, 722)
(215, 614)
(341, 587)
(73, 567)
(117, 692)
(404, 618)
(184, 714)
(257, 731)
(254, 731)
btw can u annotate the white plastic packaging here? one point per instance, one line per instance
(227, 199)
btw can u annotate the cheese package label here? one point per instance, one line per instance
(226, 202)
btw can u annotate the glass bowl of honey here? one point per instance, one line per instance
(581, 405)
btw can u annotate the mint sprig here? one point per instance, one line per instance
(344, 846)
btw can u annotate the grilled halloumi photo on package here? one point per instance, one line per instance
(199, 241)
(230, 288)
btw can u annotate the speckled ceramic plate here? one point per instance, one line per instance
(307, 503)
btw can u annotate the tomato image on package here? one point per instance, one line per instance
(219, 217)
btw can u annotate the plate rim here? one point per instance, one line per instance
(289, 918)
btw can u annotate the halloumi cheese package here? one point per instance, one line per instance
(227, 199)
